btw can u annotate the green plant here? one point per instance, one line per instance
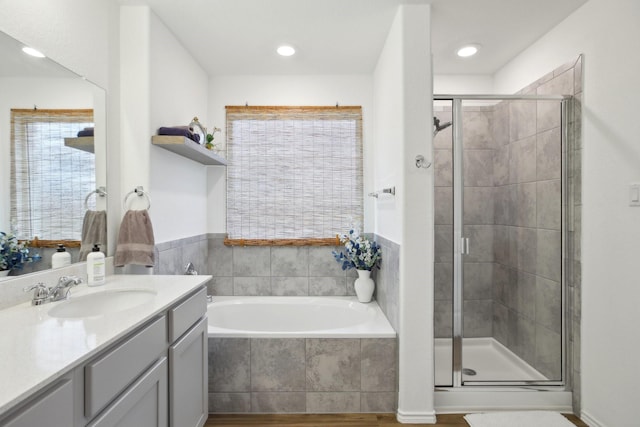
(209, 137)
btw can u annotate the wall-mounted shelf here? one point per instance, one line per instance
(189, 149)
(84, 143)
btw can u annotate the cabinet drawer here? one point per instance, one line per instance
(185, 314)
(110, 374)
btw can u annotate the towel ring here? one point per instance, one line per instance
(139, 191)
(100, 191)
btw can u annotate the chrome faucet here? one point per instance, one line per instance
(43, 294)
(40, 293)
(61, 290)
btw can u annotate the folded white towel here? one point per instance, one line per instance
(518, 419)
(135, 240)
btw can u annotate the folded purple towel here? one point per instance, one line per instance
(85, 132)
(179, 131)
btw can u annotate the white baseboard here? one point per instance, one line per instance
(589, 420)
(416, 417)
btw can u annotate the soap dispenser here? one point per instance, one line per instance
(95, 267)
(61, 258)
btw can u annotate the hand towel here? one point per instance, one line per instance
(135, 240)
(94, 232)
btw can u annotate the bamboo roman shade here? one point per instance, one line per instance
(293, 172)
(48, 180)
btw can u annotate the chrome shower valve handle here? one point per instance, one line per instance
(421, 162)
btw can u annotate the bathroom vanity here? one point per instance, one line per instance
(130, 353)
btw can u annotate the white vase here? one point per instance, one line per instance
(364, 286)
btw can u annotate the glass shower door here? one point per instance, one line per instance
(498, 210)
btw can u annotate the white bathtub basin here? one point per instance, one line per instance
(272, 317)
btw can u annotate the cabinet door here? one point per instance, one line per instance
(114, 370)
(53, 409)
(188, 378)
(144, 404)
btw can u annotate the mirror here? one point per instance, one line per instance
(51, 161)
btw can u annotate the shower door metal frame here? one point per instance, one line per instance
(461, 244)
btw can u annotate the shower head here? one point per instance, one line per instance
(437, 127)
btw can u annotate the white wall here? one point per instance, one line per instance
(456, 84)
(178, 93)
(607, 32)
(389, 135)
(286, 90)
(403, 88)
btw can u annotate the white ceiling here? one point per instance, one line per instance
(235, 37)
(15, 63)
(346, 36)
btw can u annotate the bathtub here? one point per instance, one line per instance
(296, 317)
(300, 354)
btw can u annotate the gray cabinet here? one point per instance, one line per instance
(156, 376)
(54, 408)
(144, 404)
(188, 378)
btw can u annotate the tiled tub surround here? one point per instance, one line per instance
(314, 375)
(297, 271)
(301, 374)
(512, 185)
(173, 256)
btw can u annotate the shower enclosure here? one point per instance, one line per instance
(500, 176)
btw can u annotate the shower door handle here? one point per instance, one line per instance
(464, 246)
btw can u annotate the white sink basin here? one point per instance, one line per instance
(101, 303)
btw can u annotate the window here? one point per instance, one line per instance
(48, 179)
(293, 173)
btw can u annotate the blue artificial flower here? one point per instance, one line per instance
(359, 252)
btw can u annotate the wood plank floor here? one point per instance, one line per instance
(338, 420)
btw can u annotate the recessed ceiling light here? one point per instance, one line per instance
(468, 50)
(31, 51)
(286, 50)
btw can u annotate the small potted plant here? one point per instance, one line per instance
(363, 255)
(13, 254)
(209, 139)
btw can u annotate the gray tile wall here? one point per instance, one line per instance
(527, 289)
(527, 247)
(303, 270)
(172, 257)
(277, 270)
(574, 236)
(302, 375)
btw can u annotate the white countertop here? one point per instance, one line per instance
(36, 349)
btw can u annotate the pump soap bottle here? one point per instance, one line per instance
(95, 267)
(61, 258)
